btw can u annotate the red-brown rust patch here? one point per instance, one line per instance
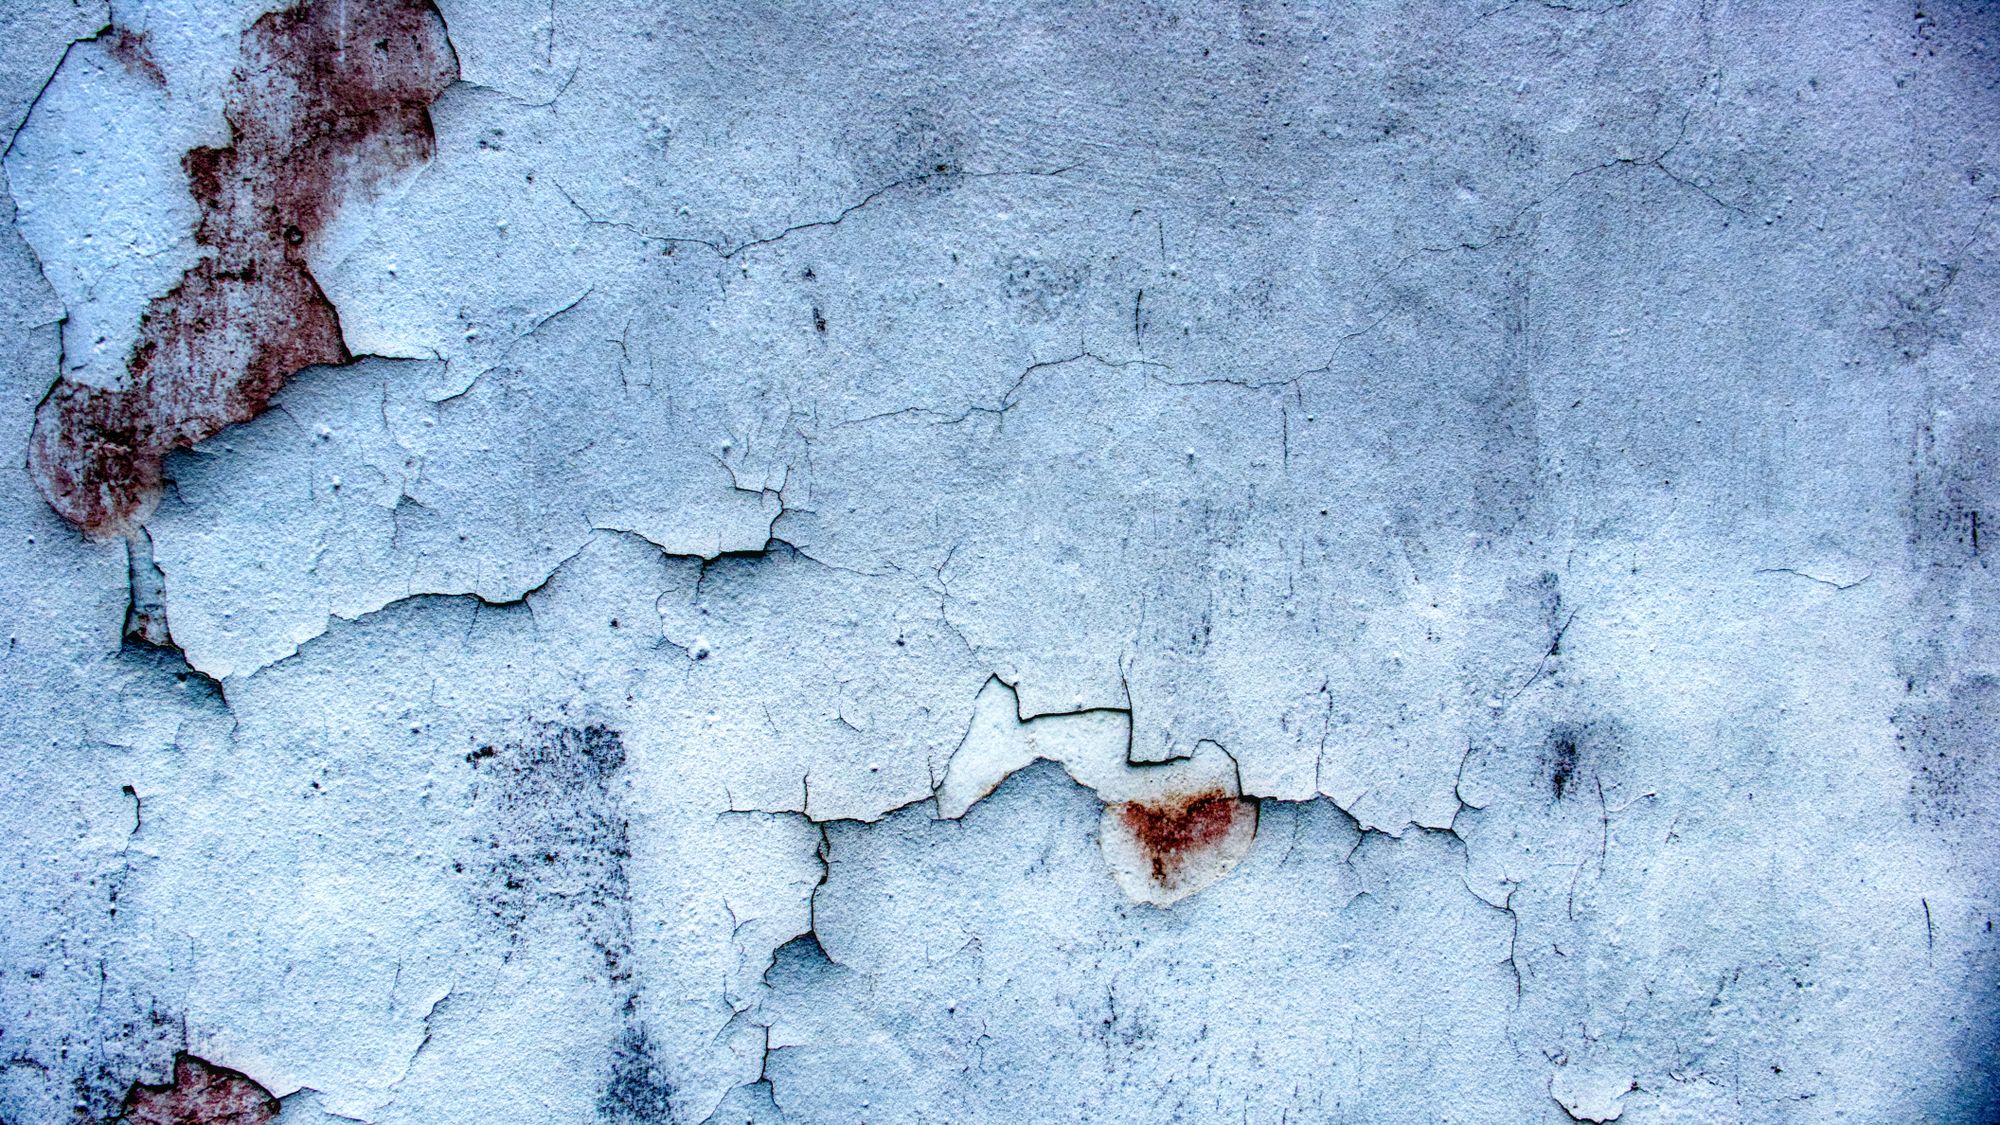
(201, 1094)
(330, 97)
(129, 48)
(1171, 831)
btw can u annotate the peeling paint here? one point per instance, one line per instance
(201, 1093)
(328, 100)
(691, 562)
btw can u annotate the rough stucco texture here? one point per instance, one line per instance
(637, 563)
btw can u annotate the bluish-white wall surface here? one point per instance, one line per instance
(578, 561)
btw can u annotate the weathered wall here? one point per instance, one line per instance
(637, 563)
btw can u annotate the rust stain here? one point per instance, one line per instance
(1172, 831)
(129, 48)
(330, 98)
(201, 1094)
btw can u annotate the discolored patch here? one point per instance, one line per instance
(552, 842)
(1171, 831)
(1165, 849)
(1946, 737)
(329, 99)
(201, 1094)
(1561, 754)
(638, 1091)
(129, 48)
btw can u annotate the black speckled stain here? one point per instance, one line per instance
(638, 1092)
(1944, 725)
(552, 836)
(553, 842)
(1559, 757)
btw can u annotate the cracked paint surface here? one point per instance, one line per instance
(327, 98)
(600, 562)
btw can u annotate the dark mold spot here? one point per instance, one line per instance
(1922, 317)
(917, 146)
(553, 837)
(88, 1062)
(201, 1094)
(1171, 831)
(330, 98)
(1953, 469)
(1042, 287)
(1947, 740)
(638, 1092)
(1945, 721)
(1561, 755)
